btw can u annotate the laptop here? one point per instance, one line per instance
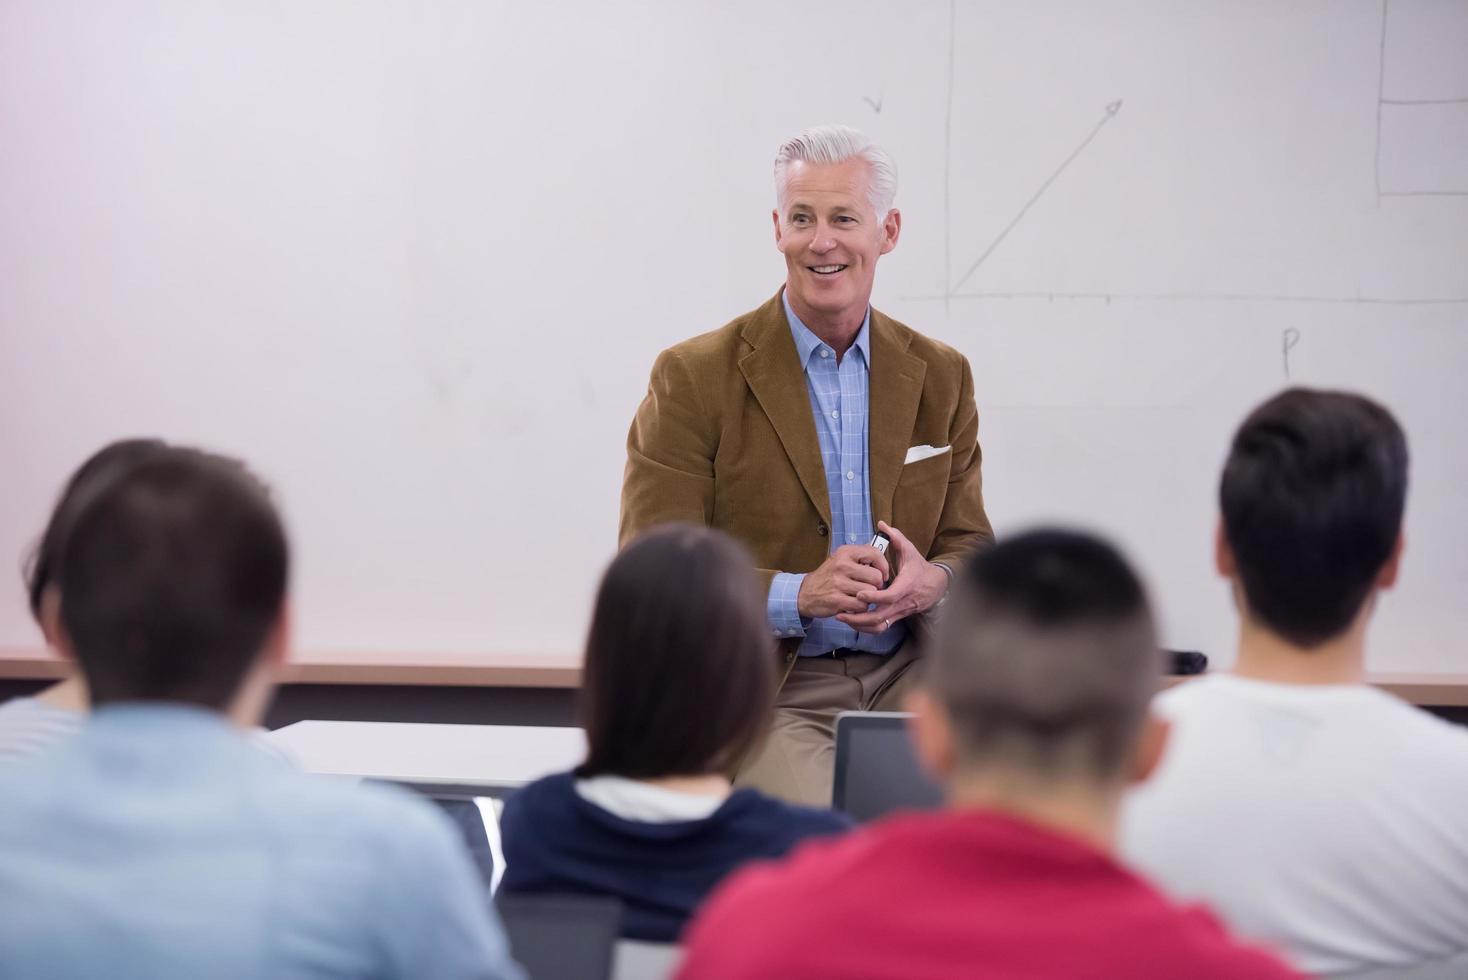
(477, 819)
(877, 771)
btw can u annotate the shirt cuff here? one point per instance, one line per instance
(781, 608)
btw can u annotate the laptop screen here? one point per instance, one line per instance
(877, 770)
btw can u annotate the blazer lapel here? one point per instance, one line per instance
(777, 378)
(894, 390)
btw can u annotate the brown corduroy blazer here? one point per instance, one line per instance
(725, 438)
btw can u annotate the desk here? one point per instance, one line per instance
(443, 758)
(563, 671)
(364, 667)
(1423, 690)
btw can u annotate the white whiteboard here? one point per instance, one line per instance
(414, 261)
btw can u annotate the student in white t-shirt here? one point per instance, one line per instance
(1312, 811)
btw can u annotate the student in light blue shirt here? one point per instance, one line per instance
(158, 842)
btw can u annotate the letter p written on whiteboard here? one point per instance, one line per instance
(919, 453)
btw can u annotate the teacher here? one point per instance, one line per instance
(804, 427)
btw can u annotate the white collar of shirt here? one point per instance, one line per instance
(807, 343)
(631, 799)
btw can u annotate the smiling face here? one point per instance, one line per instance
(831, 237)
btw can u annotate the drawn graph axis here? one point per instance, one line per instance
(951, 287)
(954, 290)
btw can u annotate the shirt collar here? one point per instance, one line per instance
(807, 343)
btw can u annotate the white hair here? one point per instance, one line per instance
(837, 144)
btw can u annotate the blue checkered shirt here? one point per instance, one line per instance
(838, 400)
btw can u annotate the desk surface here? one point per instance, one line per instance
(491, 756)
(359, 667)
(564, 671)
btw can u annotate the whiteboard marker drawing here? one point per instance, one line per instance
(1111, 110)
(1291, 338)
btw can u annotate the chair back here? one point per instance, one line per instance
(561, 937)
(637, 960)
(1451, 969)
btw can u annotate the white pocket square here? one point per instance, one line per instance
(918, 453)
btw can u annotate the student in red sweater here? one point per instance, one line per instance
(1034, 714)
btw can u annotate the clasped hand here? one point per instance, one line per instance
(848, 585)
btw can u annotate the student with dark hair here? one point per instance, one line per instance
(158, 841)
(1033, 712)
(1311, 810)
(30, 724)
(678, 686)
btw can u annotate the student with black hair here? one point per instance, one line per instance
(1033, 714)
(1309, 809)
(678, 686)
(157, 841)
(30, 724)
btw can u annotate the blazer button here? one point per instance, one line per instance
(822, 530)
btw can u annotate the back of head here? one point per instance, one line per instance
(101, 466)
(1312, 498)
(172, 577)
(679, 674)
(1046, 659)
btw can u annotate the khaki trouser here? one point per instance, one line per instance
(796, 762)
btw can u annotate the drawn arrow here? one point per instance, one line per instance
(1111, 111)
(876, 104)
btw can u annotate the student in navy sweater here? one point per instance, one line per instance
(678, 685)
